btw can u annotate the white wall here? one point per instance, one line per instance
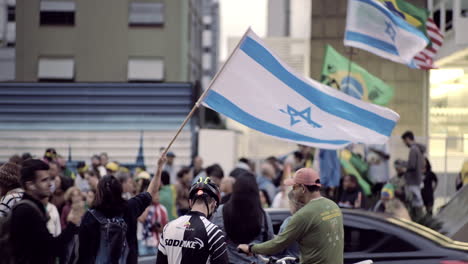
(218, 146)
(7, 64)
(301, 16)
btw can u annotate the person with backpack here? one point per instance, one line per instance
(108, 232)
(243, 219)
(24, 237)
(192, 238)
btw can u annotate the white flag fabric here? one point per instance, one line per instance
(256, 89)
(371, 26)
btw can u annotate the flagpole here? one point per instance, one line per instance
(202, 96)
(349, 65)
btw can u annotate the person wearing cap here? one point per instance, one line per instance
(386, 194)
(50, 155)
(142, 179)
(317, 227)
(112, 168)
(170, 167)
(80, 181)
(192, 238)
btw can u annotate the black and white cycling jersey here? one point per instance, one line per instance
(192, 239)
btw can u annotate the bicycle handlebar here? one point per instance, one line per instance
(274, 260)
(271, 259)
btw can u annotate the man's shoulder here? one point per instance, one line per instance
(316, 205)
(416, 148)
(27, 210)
(180, 221)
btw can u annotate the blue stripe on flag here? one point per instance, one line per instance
(226, 107)
(400, 22)
(325, 102)
(371, 41)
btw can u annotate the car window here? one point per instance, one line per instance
(277, 218)
(373, 241)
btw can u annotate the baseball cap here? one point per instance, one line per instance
(112, 166)
(388, 191)
(143, 175)
(170, 154)
(306, 176)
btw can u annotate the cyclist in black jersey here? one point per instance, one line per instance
(192, 238)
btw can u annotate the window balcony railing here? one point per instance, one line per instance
(451, 16)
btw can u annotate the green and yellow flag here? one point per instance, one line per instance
(359, 84)
(414, 15)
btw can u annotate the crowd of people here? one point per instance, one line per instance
(105, 211)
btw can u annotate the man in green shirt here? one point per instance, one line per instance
(317, 227)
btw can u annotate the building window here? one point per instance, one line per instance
(145, 70)
(146, 14)
(57, 13)
(11, 34)
(56, 69)
(11, 14)
(207, 38)
(206, 61)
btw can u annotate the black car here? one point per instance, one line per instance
(385, 239)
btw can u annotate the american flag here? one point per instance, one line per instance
(425, 59)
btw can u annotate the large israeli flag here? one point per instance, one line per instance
(371, 26)
(256, 89)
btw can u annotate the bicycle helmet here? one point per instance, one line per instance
(204, 188)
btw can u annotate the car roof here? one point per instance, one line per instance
(411, 226)
(400, 222)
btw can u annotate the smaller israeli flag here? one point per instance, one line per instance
(371, 26)
(258, 90)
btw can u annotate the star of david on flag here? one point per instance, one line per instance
(390, 30)
(371, 26)
(297, 116)
(258, 90)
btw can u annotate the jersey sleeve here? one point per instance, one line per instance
(217, 245)
(162, 243)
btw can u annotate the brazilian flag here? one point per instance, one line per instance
(359, 84)
(414, 15)
(346, 163)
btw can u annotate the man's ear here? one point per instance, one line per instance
(30, 186)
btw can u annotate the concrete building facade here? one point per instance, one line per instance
(109, 41)
(210, 40)
(7, 39)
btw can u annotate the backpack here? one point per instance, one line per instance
(6, 245)
(113, 246)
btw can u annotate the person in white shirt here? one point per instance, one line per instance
(379, 171)
(53, 225)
